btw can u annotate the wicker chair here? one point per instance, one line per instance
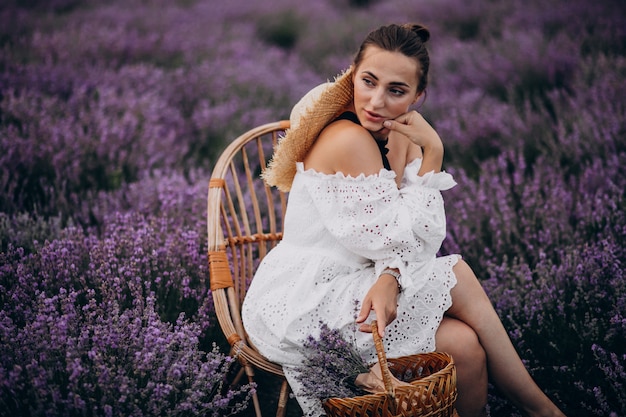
(244, 221)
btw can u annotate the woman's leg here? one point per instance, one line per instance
(460, 341)
(471, 305)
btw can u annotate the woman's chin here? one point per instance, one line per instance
(376, 129)
(381, 133)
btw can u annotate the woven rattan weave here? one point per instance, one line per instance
(432, 392)
(244, 221)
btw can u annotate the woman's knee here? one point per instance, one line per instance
(461, 342)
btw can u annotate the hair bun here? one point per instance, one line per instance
(421, 31)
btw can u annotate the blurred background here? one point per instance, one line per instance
(113, 112)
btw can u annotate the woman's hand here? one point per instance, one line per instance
(383, 299)
(420, 132)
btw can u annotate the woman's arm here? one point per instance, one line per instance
(350, 149)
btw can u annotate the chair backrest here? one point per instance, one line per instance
(244, 221)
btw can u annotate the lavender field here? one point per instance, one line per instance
(112, 113)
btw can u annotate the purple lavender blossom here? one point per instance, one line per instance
(331, 365)
(113, 113)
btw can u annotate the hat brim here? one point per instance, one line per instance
(309, 117)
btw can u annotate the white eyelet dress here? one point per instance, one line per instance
(340, 233)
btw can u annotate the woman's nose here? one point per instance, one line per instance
(378, 98)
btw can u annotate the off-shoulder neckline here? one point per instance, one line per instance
(383, 173)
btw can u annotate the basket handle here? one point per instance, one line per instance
(382, 359)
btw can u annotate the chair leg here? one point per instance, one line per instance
(282, 399)
(255, 398)
(237, 377)
(257, 406)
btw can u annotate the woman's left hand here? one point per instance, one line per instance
(414, 127)
(383, 299)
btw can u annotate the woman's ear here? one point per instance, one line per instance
(417, 97)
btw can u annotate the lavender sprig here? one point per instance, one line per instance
(331, 366)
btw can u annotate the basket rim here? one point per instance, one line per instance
(439, 374)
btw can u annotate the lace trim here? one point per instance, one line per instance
(383, 173)
(440, 180)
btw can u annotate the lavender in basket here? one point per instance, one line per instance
(331, 366)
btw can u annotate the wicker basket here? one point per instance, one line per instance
(432, 392)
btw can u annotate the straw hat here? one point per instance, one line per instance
(309, 117)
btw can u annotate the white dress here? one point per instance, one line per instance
(340, 233)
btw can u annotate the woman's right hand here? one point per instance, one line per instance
(383, 299)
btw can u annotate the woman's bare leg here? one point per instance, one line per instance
(471, 305)
(460, 341)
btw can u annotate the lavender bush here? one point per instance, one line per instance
(113, 112)
(115, 325)
(96, 358)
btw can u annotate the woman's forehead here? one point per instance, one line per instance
(389, 66)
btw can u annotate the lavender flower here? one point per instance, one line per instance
(331, 365)
(112, 116)
(92, 356)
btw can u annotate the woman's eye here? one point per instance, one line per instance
(367, 81)
(397, 92)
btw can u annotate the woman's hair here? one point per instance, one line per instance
(408, 39)
(328, 102)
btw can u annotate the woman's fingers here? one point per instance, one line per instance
(365, 310)
(382, 299)
(415, 128)
(364, 314)
(402, 124)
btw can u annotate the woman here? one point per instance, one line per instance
(364, 223)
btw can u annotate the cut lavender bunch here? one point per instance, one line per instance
(331, 366)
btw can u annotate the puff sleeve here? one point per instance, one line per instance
(398, 228)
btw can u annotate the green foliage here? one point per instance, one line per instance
(281, 29)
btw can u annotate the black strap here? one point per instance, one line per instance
(382, 144)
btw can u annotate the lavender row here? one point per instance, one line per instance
(112, 114)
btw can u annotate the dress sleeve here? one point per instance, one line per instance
(369, 215)
(422, 196)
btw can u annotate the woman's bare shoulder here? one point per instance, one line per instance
(346, 147)
(343, 133)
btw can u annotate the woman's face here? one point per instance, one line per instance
(385, 85)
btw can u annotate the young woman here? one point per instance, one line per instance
(364, 223)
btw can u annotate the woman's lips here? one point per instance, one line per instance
(374, 117)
